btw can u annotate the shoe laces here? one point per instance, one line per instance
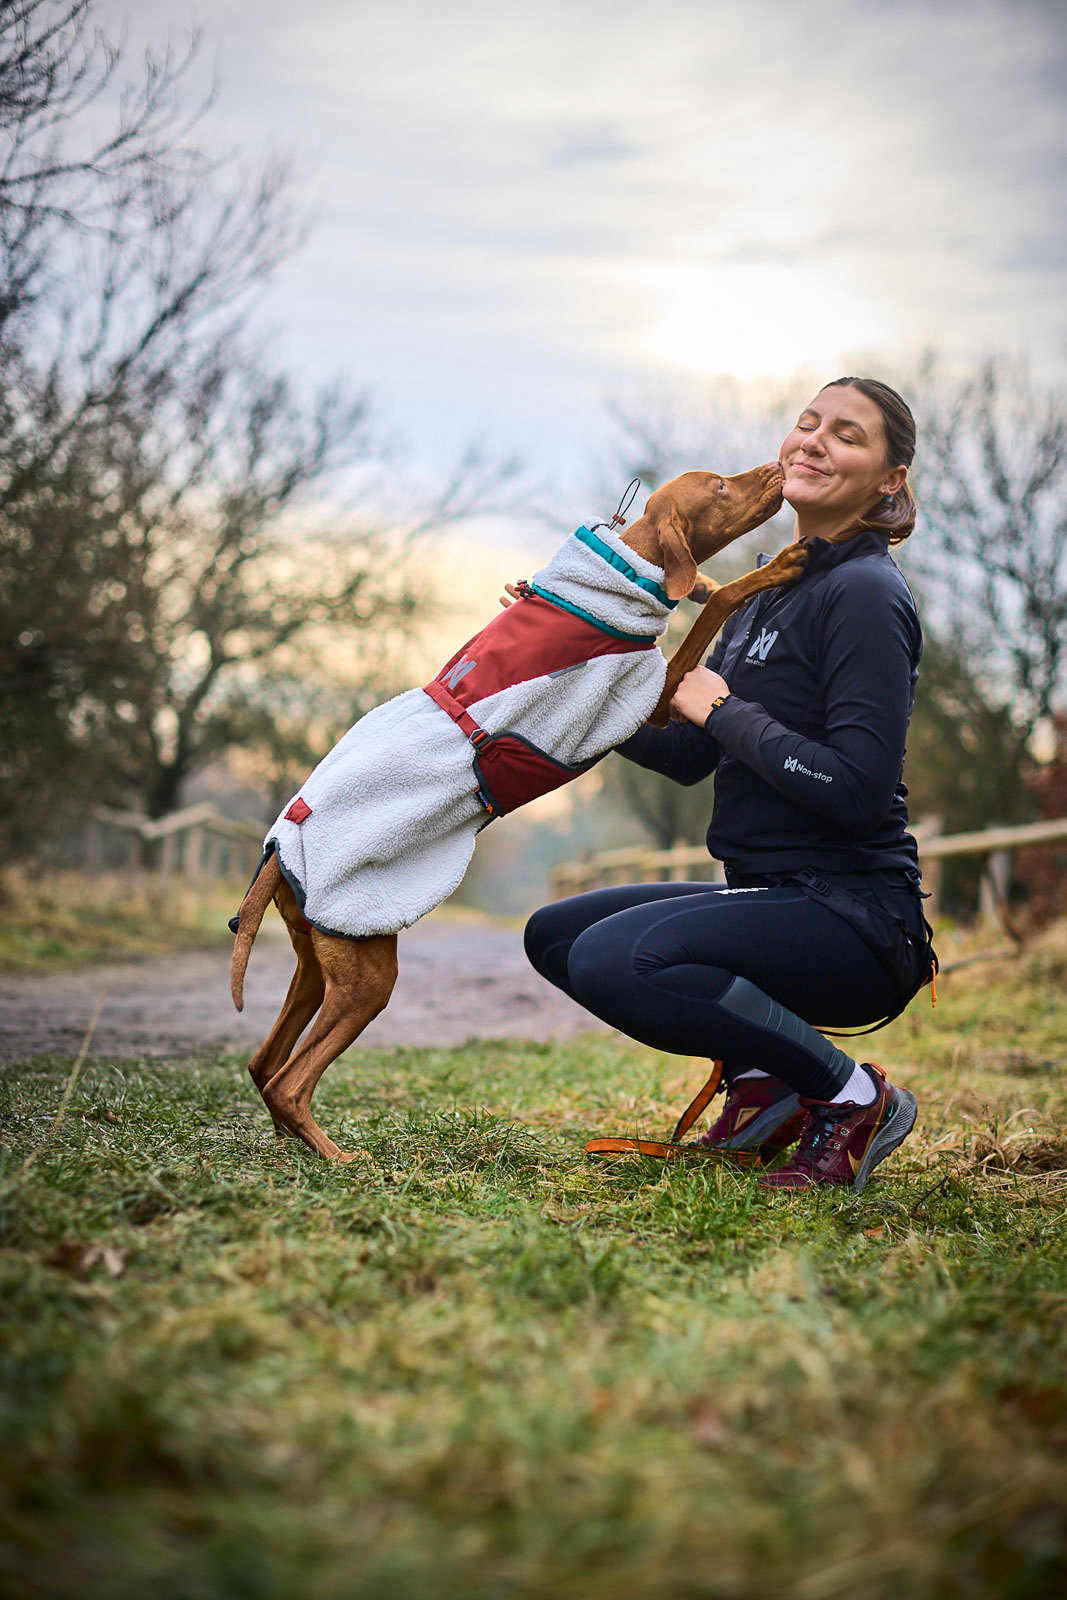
(816, 1142)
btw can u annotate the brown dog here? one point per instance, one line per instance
(347, 981)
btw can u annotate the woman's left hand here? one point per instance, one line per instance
(694, 695)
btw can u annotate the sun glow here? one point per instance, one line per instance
(753, 321)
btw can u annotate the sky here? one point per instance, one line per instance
(522, 212)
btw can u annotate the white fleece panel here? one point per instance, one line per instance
(393, 807)
(578, 714)
(583, 578)
(392, 825)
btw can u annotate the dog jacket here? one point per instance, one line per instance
(384, 828)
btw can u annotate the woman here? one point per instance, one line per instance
(802, 713)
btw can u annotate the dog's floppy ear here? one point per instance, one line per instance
(679, 568)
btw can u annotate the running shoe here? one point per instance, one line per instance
(843, 1143)
(760, 1114)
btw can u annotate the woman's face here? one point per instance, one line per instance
(834, 459)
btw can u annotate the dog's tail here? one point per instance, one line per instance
(249, 918)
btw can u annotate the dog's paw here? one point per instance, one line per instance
(788, 564)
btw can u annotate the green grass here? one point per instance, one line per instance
(473, 1364)
(53, 921)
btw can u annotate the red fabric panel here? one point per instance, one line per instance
(513, 772)
(298, 811)
(531, 638)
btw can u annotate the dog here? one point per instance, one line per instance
(384, 828)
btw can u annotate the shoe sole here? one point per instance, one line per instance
(888, 1138)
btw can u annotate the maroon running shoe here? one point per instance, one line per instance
(843, 1143)
(762, 1114)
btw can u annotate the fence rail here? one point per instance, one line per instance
(995, 845)
(193, 843)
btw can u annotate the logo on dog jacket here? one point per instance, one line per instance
(460, 670)
(761, 647)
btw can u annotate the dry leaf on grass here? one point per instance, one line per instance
(81, 1259)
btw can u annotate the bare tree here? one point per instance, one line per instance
(991, 549)
(165, 539)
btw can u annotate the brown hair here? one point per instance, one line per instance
(894, 513)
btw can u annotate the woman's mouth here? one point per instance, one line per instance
(806, 466)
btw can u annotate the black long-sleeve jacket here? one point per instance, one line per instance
(808, 749)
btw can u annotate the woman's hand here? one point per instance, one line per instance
(694, 695)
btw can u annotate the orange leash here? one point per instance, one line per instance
(673, 1149)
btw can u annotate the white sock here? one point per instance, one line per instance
(860, 1089)
(753, 1072)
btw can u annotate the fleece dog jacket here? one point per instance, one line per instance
(384, 828)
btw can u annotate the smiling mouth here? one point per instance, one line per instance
(805, 466)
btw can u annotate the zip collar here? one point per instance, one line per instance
(826, 553)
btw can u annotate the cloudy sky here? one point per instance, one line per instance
(523, 210)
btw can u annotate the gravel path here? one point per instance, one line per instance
(458, 980)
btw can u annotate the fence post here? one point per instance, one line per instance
(994, 885)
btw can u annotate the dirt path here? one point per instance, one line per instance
(458, 980)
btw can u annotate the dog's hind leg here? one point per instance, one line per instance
(359, 977)
(301, 1003)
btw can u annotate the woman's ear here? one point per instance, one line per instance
(679, 568)
(893, 481)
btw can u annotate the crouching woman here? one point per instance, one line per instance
(802, 713)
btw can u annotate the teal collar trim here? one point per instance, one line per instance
(587, 537)
(576, 611)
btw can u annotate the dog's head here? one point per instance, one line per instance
(698, 513)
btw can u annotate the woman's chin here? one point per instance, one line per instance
(801, 492)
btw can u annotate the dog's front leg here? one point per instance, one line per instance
(785, 568)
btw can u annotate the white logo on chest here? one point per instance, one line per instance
(759, 648)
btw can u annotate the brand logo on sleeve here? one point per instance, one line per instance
(792, 764)
(759, 649)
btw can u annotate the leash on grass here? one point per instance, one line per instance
(673, 1148)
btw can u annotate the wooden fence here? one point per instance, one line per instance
(692, 862)
(193, 843)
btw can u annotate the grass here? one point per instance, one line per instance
(53, 921)
(474, 1364)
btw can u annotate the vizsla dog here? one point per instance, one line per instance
(384, 828)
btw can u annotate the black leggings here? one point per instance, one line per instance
(734, 974)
